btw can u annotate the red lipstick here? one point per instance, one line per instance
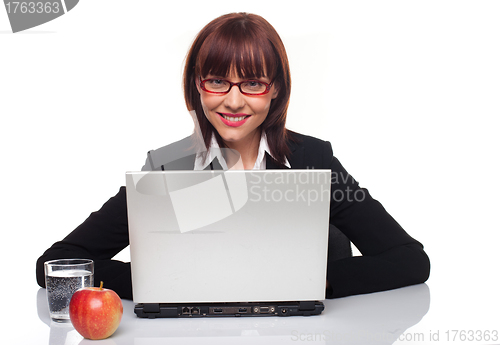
(229, 119)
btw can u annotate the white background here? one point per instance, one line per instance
(407, 92)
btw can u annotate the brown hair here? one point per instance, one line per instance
(249, 45)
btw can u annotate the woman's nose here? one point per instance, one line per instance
(234, 98)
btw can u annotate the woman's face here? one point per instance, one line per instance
(236, 116)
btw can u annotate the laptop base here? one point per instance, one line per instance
(175, 310)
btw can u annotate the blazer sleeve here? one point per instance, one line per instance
(100, 237)
(391, 258)
(105, 232)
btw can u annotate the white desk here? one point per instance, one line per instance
(368, 319)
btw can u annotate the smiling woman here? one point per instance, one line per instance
(237, 85)
(246, 50)
(236, 116)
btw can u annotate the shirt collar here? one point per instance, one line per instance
(214, 152)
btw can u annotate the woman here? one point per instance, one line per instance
(237, 85)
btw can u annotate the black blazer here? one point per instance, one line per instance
(391, 258)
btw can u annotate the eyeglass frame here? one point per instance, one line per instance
(231, 84)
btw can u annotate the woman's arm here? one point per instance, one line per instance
(391, 258)
(100, 237)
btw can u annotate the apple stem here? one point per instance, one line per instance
(100, 287)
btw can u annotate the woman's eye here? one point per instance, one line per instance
(215, 83)
(253, 85)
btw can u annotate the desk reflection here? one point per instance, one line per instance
(378, 318)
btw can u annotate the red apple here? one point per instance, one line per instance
(95, 312)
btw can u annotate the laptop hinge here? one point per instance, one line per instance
(307, 305)
(151, 307)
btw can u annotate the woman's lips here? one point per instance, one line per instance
(234, 120)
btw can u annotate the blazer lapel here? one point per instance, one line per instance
(296, 158)
(271, 163)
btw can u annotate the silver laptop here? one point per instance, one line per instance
(228, 243)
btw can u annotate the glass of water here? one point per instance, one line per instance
(62, 278)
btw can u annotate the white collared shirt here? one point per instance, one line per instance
(215, 152)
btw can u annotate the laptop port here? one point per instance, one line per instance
(217, 310)
(186, 311)
(195, 310)
(242, 310)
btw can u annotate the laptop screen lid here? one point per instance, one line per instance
(228, 236)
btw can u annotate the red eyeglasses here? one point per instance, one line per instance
(247, 87)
